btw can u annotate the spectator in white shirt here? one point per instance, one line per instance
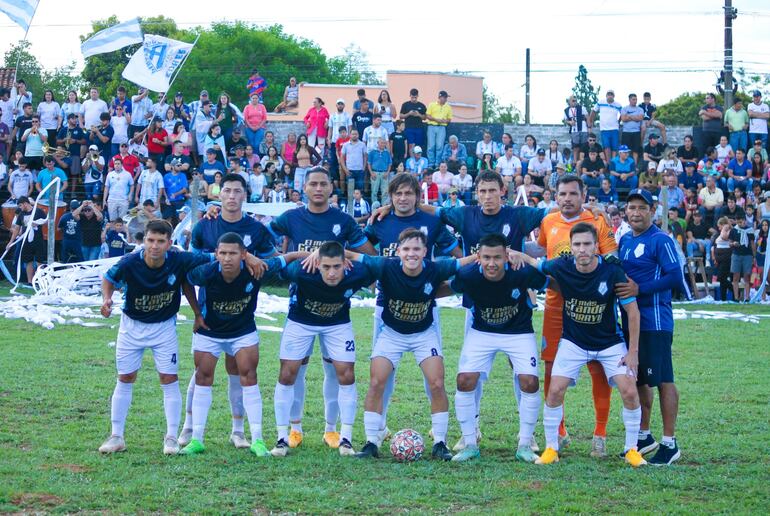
(509, 166)
(91, 110)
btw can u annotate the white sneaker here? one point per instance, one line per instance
(460, 444)
(185, 437)
(113, 444)
(383, 435)
(170, 445)
(599, 447)
(239, 440)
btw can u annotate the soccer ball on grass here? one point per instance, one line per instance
(407, 445)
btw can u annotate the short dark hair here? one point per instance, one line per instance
(583, 227)
(234, 178)
(360, 91)
(376, 115)
(118, 221)
(121, 89)
(401, 180)
(490, 176)
(161, 227)
(231, 238)
(414, 92)
(410, 233)
(104, 116)
(148, 202)
(493, 240)
(570, 178)
(331, 249)
(317, 170)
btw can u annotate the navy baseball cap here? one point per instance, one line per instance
(639, 193)
(623, 148)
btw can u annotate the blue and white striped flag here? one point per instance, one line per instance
(20, 11)
(112, 38)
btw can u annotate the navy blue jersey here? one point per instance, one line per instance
(153, 295)
(651, 260)
(499, 306)
(315, 303)
(256, 237)
(408, 301)
(306, 231)
(385, 232)
(228, 308)
(590, 313)
(513, 222)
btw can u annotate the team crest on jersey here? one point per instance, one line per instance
(639, 251)
(249, 288)
(348, 293)
(515, 294)
(602, 287)
(336, 229)
(171, 279)
(428, 289)
(506, 230)
(424, 230)
(247, 241)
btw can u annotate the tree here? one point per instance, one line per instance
(494, 112)
(683, 110)
(59, 80)
(584, 91)
(353, 67)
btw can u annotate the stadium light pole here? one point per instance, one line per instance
(730, 15)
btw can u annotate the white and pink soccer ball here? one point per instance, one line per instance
(407, 445)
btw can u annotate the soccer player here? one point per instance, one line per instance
(320, 306)
(650, 261)
(554, 236)
(228, 296)
(152, 279)
(259, 242)
(591, 332)
(408, 286)
(501, 320)
(306, 228)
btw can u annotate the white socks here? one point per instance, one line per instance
(201, 403)
(121, 401)
(529, 409)
(282, 402)
(252, 403)
(172, 405)
(477, 394)
(551, 418)
(187, 425)
(390, 386)
(331, 394)
(632, 419)
(440, 424)
(517, 390)
(298, 405)
(465, 408)
(348, 404)
(372, 427)
(235, 393)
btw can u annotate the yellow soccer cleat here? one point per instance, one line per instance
(635, 458)
(295, 439)
(549, 456)
(331, 439)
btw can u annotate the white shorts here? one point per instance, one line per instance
(378, 322)
(135, 336)
(570, 358)
(231, 346)
(480, 348)
(392, 345)
(337, 342)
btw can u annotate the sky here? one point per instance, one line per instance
(659, 46)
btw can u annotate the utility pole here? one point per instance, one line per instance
(730, 14)
(526, 92)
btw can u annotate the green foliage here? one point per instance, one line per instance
(59, 80)
(683, 110)
(749, 82)
(493, 111)
(584, 91)
(352, 67)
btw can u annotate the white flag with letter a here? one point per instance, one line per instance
(153, 65)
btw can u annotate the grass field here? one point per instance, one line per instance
(54, 413)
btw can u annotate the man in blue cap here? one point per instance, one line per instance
(623, 170)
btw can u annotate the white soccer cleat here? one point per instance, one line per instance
(384, 434)
(170, 445)
(185, 437)
(239, 440)
(113, 444)
(460, 444)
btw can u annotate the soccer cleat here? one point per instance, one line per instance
(549, 456)
(599, 447)
(170, 445)
(440, 451)
(369, 451)
(564, 441)
(295, 439)
(666, 455)
(331, 439)
(460, 444)
(635, 458)
(466, 454)
(239, 440)
(345, 448)
(646, 445)
(525, 454)
(384, 434)
(258, 448)
(194, 447)
(185, 437)
(113, 444)
(281, 449)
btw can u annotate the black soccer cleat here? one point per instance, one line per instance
(647, 445)
(440, 451)
(665, 456)
(369, 451)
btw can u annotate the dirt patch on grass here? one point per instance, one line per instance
(36, 500)
(72, 468)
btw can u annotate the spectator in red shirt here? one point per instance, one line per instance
(157, 140)
(431, 187)
(317, 124)
(255, 117)
(130, 162)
